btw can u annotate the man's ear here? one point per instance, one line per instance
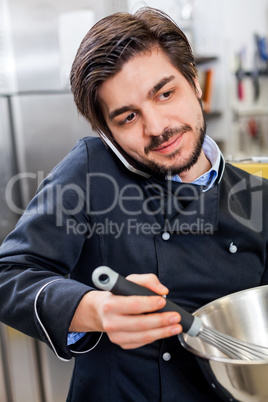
(198, 89)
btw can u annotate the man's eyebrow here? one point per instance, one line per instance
(116, 112)
(120, 110)
(160, 85)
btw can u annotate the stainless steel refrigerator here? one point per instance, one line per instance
(39, 124)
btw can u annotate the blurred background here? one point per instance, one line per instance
(39, 123)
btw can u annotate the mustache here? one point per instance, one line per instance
(167, 134)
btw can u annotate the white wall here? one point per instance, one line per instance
(223, 28)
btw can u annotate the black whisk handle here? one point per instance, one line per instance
(106, 279)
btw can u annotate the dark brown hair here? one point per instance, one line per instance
(112, 42)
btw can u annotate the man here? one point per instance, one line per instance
(153, 200)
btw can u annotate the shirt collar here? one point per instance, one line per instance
(214, 155)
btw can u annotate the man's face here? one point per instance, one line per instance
(154, 114)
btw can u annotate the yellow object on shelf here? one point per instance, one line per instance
(258, 169)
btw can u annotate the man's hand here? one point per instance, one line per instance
(123, 318)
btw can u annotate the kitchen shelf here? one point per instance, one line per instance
(205, 59)
(213, 115)
(253, 73)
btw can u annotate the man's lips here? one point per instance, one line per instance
(169, 146)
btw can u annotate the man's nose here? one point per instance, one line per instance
(154, 122)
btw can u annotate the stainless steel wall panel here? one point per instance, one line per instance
(46, 128)
(35, 37)
(56, 375)
(23, 367)
(7, 62)
(8, 218)
(5, 393)
(29, 40)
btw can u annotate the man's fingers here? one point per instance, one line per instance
(141, 323)
(133, 304)
(132, 340)
(150, 281)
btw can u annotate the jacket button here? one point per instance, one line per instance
(166, 236)
(166, 356)
(232, 248)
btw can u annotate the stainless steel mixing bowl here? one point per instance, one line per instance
(243, 315)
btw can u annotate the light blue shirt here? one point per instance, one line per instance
(73, 337)
(213, 154)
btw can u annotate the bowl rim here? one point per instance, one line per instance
(219, 358)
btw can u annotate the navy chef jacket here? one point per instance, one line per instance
(92, 211)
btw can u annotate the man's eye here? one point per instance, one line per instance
(129, 118)
(165, 95)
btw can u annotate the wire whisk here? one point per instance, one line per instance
(106, 279)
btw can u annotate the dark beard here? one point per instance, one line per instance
(176, 169)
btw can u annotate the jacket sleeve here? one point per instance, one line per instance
(36, 296)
